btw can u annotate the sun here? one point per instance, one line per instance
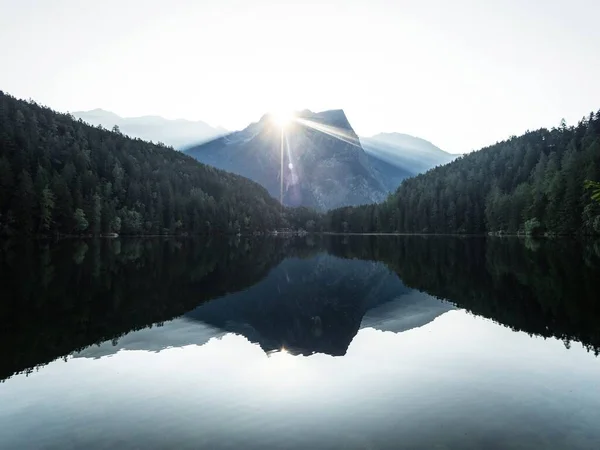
(282, 118)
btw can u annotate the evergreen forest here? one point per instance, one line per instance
(63, 176)
(543, 182)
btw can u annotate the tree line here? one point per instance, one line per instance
(61, 175)
(539, 183)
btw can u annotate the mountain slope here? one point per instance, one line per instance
(412, 155)
(534, 183)
(176, 133)
(324, 164)
(58, 175)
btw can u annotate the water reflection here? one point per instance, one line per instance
(305, 295)
(317, 305)
(366, 342)
(305, 305)
(433, 386)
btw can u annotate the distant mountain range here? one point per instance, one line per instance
(178, 133)
(326, 165)
(397, 156)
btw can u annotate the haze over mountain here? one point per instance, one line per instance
(318, 304)
(178, 133)
(391, 157)
(325, 165)
(59, 175)
(536, 183)
(397, 156)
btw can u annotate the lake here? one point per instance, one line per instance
(324, 342)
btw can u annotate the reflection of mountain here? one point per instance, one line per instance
(64, 298)
(175, 333)
(547, 287)
(61, 298)
(318, 305)
(404, 313)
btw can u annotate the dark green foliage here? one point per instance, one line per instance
(60, 298)
(58, 175)
(539, 175)
(533, 227)
(547, 287)
(595, 188)
(304, 218)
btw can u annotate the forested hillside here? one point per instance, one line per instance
(59, 175)
(535, 183)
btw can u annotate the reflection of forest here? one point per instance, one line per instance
(545, 287)
(58, 298)
(318, 304)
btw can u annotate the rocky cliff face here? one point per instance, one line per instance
(324, 164)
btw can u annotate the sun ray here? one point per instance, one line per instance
(283, 120)
(335, 132)
(281, 171)
(289, 152)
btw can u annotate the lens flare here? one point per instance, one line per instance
(282, 118)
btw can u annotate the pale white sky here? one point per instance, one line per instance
(462, 74)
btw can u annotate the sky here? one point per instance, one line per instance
(462, 74)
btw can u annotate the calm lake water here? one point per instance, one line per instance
(331, 342)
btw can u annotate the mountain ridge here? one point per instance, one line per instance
(412, 153)
(178, 133)
(324, 163)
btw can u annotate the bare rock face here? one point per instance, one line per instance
(324, 164)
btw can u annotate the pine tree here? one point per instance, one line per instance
(63, 205)
(46, 206)
(6, 183)
(24, 202)
(81, 223)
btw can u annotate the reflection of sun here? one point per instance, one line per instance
(282, 118)
(282, 359)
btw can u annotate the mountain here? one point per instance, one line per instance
(397, 156)
(178, 133)
(58, 175)
(532, 184)
(324, 163)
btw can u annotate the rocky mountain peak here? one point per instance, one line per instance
(324, 164)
